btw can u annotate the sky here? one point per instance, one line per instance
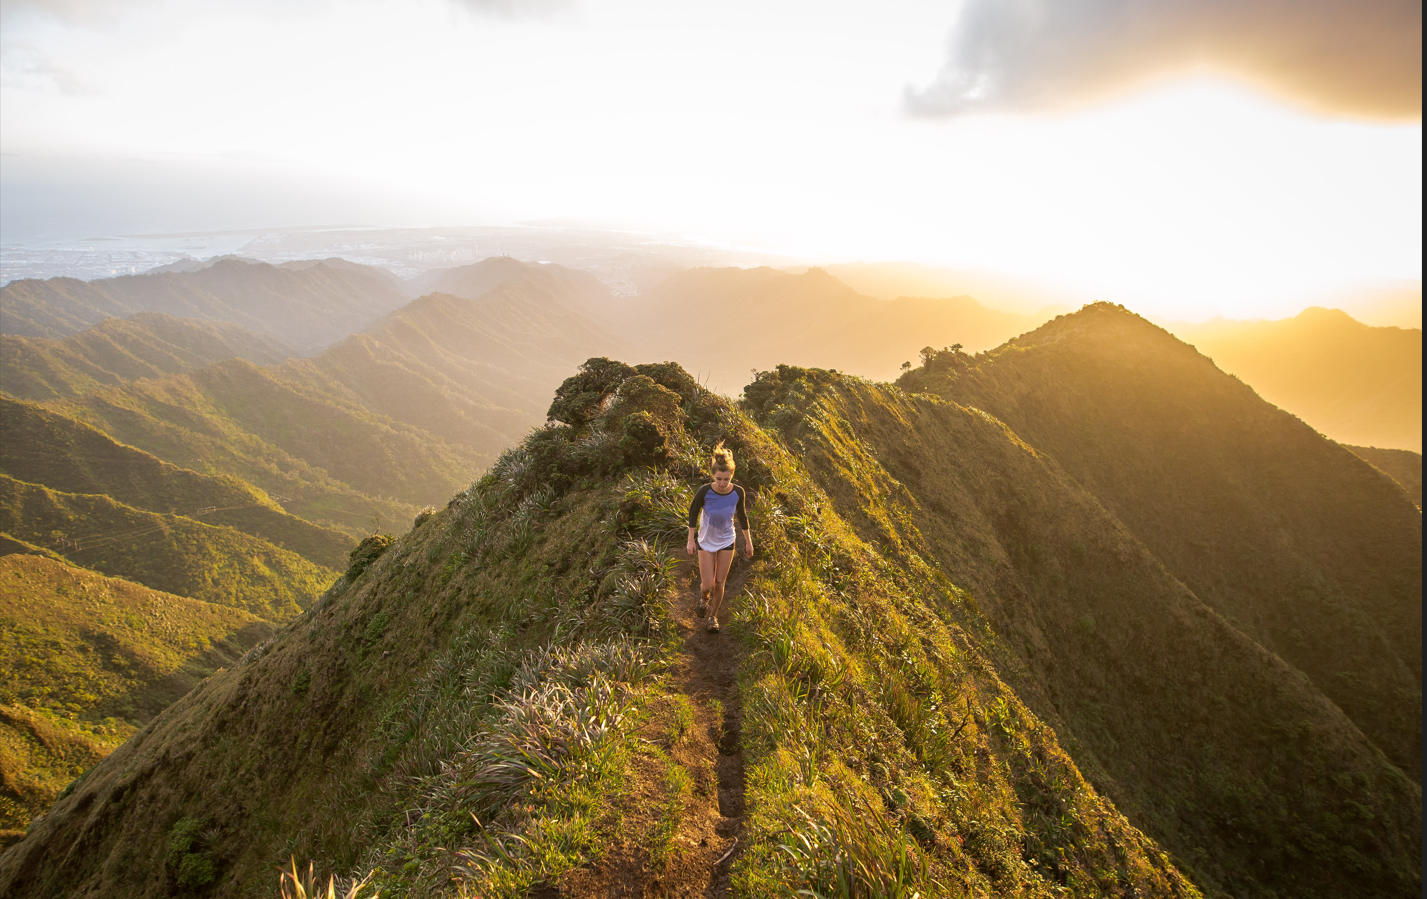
(1186, 157)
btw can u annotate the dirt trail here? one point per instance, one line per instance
(705, 845)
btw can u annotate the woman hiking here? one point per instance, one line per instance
(721, 505)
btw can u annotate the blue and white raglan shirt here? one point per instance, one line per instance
(720, 510)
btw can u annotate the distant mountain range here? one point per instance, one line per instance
(722, 323)
(305, 305)
(1355, 383)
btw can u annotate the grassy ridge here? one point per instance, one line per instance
(292, 439)
(86, 659)
(43, 447)
(502, 668)
(1298, 543)
(1403, 466)
(1223, 754)
(502, 663)
(146, 345)
(165, 552)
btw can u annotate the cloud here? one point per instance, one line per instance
(516, 9)
(1360, 58)
(25, 67)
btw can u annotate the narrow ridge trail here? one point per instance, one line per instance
(705, 845)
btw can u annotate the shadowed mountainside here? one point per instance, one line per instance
(1297, 542)
(958, 671)
(306, 306)
(1403, 466)
(145, 345)
(85, 660)
(1355, 383)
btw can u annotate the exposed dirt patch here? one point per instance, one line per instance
(705, 844)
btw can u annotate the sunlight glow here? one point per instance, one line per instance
(776, 125)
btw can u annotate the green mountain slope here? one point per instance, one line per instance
(45, 448)
(1355, 383)
(170, 553)
(523, 667)
(145, 345)
(1299, 544)
(1403, 466)
(808, 319)
(305, 307)
(383, 422)
(292, 431)
(1202, 738)
(474, 371)
(84, 661)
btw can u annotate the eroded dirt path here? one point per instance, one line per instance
(706, 843)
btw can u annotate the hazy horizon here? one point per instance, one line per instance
(1185, 163)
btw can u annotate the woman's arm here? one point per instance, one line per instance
(741, 516)
(695, 508)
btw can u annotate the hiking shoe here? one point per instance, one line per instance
(701, 609)
(713, 626)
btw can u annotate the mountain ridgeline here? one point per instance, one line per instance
(967, 663)
(1298, 543)
(305, 305)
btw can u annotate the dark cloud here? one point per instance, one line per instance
(1345, 57)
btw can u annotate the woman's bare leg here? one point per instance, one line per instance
(722, 562)
(707, 579)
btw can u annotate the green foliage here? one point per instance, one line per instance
(189, 854)
(678, 788)
(898, 736)
(367, 552)
(42, 447)
(301, 681)
(84, 660)
(170, 553)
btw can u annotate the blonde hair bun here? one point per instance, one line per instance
(722, 458)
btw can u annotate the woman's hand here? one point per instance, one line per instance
(690, 549)
(748, 546)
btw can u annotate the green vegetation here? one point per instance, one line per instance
(147, 345)
(166, 552)
(42, 447)
(1290, 538)
(86, 659)
(491, 704)
(287, 430)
